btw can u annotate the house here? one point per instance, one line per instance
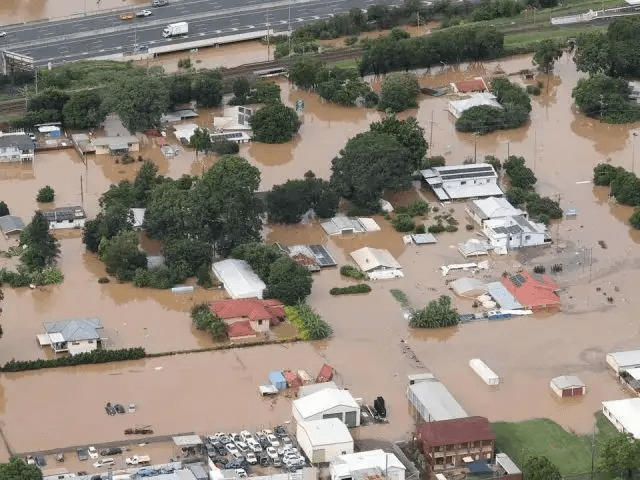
(238, 279)
(474, 247)
(502, 296)
(457, 182)
(364, 465)
(515, 232)
(16, 147)
(178, 116)
(568, 386)
(341, 225)
(184, 132)
(533, 294)
(73, 336)
(624, 414)
(137, 217)
(11, 224)
(313, 257)
(622, 361)
(327, 403)
(377, 263)
(64, 217)
(238, 137)
(234, 119)
(315, 387)
(261, 314)
(324, 440)
(468, 287)
(52, 130)
(458, 107)
(118, 145)
(453, 443)
(432, 400)
(466, 86)
(240, 329)
(491, 208)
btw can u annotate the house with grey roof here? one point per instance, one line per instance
(73, 336)
(508, 233)
(118, 145)
(458, 182)
(484, 209)
(65, 217)
(11, 224)
(16, 147)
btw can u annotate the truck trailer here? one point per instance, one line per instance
(175, 29)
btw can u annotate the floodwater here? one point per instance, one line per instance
(18, 11)
(562, 147)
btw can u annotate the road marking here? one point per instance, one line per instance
(118, 48)
(218, 31)
(234, 29)
(251, 26)
(101, 50)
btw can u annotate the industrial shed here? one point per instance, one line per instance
(238, 279)
(433, 401)
(327, 403)
(568, 386)
(624, 414)
(621, 361)
(324, 440)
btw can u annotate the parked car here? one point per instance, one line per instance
(251, 458)
(263, 460)
(263, 441)
(231, 448)
(238, 456)
(243, 447)
(93, 453)
(219, 446)
(32, 136)
(245, 435)
(82, 453)
(60, 457)
(273, 440)
(119, 408)
(40, 461)
(241, 472)
(272, 453)
(266, 432)
(3, 34)
(211, 451)
(159, 3)
(224, 438)
(254, 446)
(144, 13)
(281, 431)
(104, 462)
(110, 451)
(286, 441)
(277, 462)
(235, 437)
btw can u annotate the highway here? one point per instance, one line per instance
(105, 34)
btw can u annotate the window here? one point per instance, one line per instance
(527, 237)
(259, 322)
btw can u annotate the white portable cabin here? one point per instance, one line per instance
(485, 373)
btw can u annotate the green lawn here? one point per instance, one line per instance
(353, 63)
(543, 437)
(522, 39)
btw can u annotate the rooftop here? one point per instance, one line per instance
(514, 226)
(503, 297)
(341, 224)
(62, 214)
(75, 330)
(627, 413)
(240, 329)
(19, 140)
(250, 308)
(115, 142)
(458, 107)
(11, 224)
(532, 293)
(474, 85)
(626, 359)
(369, 258)
(567, 381)
(492, 207)
(372, 459)
(238, 278)
(323, 400)
(459, 430)
(437, 400)
(305, 390)
(327, 431)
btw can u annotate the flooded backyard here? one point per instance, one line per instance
(200, 392)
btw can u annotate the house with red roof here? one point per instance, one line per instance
(258, 315)
(455, 443)
(241, 329)
(533, 294)
(468, 86)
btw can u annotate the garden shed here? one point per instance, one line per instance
(568, 386)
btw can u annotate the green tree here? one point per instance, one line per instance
(519, 174)
(139, 101)
(200, 141)
(275, 123)
(241, 88)
(179, 87)
(17, 469)
(225, 204)
(171, 213)
(481, 119)
(438, 313)
(203, 319)
(225, 147)
(83, 110)
(304, 71)
(266, 92)
(370, 163)
(46, 195)
(288, 282)
(604, 173)
(122, 256)
(207, 89)
(515, 196)
(4, 209)
(606, 98)
(49, 99)
(625, 187)
(111, 222)
(634, 220)
(408, 133)
(287, 203)
(190, 253)
(40, 249)
(259, 256)
(399, 91)
(540, 468)
(146, 179)
(545, 55)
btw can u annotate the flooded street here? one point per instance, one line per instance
(201, 391)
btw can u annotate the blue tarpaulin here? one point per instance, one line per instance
(478, 467)
(277, 380)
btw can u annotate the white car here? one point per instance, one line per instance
(144, 13)
(246, 436)
(254, 446)
(93, 453)
(231, 448)
(272, 453)
(241, 472)
(251, 458)
(273, 440)
(286, 441)
(243, 447)
(3, 34)
(104, 462)
(266, 432)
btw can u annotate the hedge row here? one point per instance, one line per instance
(97, 356)
(309, 324)
(353, 272)
(359, 288)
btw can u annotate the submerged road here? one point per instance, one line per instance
(97, 35)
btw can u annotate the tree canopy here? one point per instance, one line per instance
(540, 468)
(287, 203)
(17, 469)
(606, 98)
(370, 163)
(200, 141)
(46, 195)
(122, 256)
(4, 209)
(207, 89)
(40, 249)
(83, 110)
(438, 313)
(408, 133)
(288, 282)
(519, 174)
(620, 455)
(399, 92)
(545, 55)
(275, 123)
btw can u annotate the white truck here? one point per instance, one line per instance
(138, 460)
(175, 29)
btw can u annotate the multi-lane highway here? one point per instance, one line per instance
(105, 34)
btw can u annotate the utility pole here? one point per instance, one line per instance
(475, 147)
(289, 27)
(431, 132)
(558, 227)
(535, 147)
(633, 152)
(508, 149)
(81, 193)
(36, 80)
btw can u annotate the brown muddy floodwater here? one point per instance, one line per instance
(18, 11)
(192, 392)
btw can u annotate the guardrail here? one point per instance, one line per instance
(594, 15)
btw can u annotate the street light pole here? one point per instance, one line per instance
(633, 152)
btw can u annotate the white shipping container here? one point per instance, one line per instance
(488, 376)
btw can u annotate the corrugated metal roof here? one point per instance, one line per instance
(503, 297)
(187, 440)
(18, 140)
(11, 224)
(627, 413)
(630, 358)
(315, 387)
(507, 464)
(74, 330)
(437, 401)
(239, 279)
(369, 258)
(567, 381)
(361, 461)
(323, 400)
(329, 431)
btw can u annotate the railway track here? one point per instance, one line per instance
(13, 107)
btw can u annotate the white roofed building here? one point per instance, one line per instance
(458, 182)
(324, 440)
(328, 403)
(433, 401)
(490, 208)
(624, 414)
(515, 232)
(458, 107)
(238, 279)
(621, 361)
(377, 263)
(362, 465)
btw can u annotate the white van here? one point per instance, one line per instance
(104, 462)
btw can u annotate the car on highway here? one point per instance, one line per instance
(159, 3)
(3, 34)
(144, 13)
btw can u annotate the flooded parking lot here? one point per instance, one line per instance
(200, 392)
